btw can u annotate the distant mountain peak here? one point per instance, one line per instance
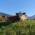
(3, 14)
(32, 17)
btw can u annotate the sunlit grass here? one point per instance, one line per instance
(25, 26)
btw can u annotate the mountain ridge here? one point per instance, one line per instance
(4, 14)
(32, 17)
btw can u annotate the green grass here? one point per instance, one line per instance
(26, 27)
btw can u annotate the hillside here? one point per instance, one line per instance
(32, 17)
(4, 14)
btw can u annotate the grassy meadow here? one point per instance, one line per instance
(26, 27)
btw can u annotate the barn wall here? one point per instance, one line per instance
(3, 18)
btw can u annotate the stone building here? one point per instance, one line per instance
(3, 17)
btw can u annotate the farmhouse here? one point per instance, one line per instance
(3, 17)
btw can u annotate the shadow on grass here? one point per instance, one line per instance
(4, 23)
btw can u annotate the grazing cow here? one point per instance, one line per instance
(22, 16)
(13, 18)
(19, 16)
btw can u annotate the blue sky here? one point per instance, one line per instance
(13, 6)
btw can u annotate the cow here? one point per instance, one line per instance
(17, 17)
(13, 18)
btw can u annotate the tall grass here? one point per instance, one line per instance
(26, 27)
